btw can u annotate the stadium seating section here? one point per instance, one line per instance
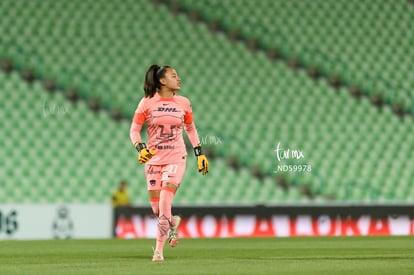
(244, 103)
(60, 152)
(366, 43)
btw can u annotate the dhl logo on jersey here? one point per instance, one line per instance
(164, 109)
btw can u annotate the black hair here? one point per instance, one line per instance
(152, 79)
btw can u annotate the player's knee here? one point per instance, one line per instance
(170, 186)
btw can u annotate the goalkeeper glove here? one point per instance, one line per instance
(144, 154)
(202, 161)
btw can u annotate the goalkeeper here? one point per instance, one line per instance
(164, 154)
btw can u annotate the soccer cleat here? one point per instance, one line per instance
(157, 257)
(173, 235)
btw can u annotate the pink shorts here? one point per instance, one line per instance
(157, 174)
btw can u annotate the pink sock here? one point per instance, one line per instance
(165, 219)
(162, 233)
(155, 205)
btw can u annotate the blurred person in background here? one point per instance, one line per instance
(166, 115)
(120, 197)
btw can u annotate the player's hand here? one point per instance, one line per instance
(202, 162)
(144, 154)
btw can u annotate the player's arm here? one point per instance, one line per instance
(192, 134)
(144, 153)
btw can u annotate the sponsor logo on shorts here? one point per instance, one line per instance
(152, 172)
(153, 182)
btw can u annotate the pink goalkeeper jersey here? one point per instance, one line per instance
(165, 118)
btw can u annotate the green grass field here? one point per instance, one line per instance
(326, 255)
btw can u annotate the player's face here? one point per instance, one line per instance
(171, 80)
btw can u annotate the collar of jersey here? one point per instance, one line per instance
(164, 98)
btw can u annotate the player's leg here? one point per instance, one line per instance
(153, 178)
(165, 219)
(175, 173)
(154, 197)
(171, 178)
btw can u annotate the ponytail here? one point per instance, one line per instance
(152, 79)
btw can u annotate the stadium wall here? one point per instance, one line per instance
(55, 221)
(77, 221)
(275, 221)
